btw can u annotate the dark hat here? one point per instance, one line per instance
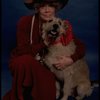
(31, 4)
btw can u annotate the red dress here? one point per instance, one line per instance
(28, 74)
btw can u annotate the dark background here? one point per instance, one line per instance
(83, 15)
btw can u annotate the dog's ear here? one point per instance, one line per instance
(59, 21)
(65, 25)
(45, 27)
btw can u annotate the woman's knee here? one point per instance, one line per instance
(21, 62)
(23, 59)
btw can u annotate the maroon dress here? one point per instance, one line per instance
(32, 80)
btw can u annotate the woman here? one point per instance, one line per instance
(31, 79)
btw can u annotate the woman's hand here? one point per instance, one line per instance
(63, 61)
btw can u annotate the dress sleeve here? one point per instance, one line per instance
(80, 50)
(23, 39)
(80, 46)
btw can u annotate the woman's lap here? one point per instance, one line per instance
(28, 72)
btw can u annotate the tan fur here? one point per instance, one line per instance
(75, 75)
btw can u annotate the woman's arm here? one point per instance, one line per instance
(23, 38)
(79, 51)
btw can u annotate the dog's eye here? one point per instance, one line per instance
(59, 22)
(50, 21)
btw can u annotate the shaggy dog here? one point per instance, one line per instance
(75, 75)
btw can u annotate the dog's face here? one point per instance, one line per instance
(53, 29)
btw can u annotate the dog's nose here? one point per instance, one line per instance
(55, 26)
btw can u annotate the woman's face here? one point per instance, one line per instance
(47, 12)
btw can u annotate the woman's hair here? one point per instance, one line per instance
(56, 5)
